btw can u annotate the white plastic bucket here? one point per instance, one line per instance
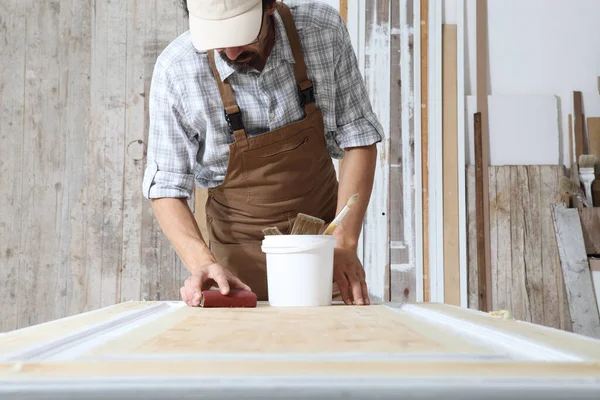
(299, 269)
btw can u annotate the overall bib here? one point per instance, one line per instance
(270, 178)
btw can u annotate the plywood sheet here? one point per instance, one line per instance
(523, 129)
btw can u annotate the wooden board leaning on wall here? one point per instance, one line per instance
(525, 267)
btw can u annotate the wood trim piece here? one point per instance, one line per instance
(485, 292)
(425, 145)
(593, 125)
(580, 147)
(480, 206)
(576, 271)
(450, 165)
(590, 226)
(344, 10)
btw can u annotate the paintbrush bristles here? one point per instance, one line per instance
(587, 160)
(307, 225)
(271, 231)
(352, 200)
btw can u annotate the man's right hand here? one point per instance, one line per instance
(208, 276)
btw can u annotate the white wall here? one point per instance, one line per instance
(538, 47)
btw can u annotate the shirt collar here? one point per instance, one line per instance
(281, 51)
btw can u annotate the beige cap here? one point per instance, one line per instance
(224, 23)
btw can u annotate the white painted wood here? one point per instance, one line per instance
(409, 161)
(462, 186)
(519, 124)
(418, 178)
(576, 271)
(376, 223)
(436, 211)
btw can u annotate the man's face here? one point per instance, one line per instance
(246, 57)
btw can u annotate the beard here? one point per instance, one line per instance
(243, 63)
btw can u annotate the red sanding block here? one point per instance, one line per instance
(235, 298)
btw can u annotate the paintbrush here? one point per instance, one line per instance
(587, 162)
(271, 231)
(307, 225)
(567, 186)
(338, 219)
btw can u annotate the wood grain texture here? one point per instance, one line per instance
(72, 149)
(593, 125)
(525, 266)
(576, 271)
(13, 17)
(590, 225)
(472, 273)
(450, 165)
(482, 75)
(424, 65)
(578, 128)
(481, 169)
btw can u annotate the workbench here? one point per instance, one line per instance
(162, 350)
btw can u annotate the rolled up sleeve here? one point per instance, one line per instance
(357, 124)
(172, 143)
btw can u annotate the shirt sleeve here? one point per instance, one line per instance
(357, 124)
(172, 143)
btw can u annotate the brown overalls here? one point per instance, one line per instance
(270, 178)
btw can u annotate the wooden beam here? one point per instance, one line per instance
(425, 145)
(590, 226)
(450, 165)
(482, 108)
(576, 271)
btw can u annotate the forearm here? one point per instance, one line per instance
(356, 176)
(179, 226)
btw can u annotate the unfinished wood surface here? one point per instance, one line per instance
(576, 271)
(484, 148)
(75, 232)
(402, 268)
(323, 330)
(526, 276)
(593, 125)
(481, 206)
(376, 227)
(450, 165)
(344, 9)
(571, 147)
(12, 147)
(590, 225)
(424, 64)
(579, 134)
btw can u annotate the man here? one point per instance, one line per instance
(252, 103)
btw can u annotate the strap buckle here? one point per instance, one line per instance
(234, 121)
(307, 95)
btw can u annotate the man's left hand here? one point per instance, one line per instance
(349, 274)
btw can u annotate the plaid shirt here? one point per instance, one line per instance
(189, 138)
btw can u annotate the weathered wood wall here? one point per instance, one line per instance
(75, 233)
(526, 272)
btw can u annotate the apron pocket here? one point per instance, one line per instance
(283, 170)
(246, 261)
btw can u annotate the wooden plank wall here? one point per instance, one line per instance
(75, 233)
(526, 274)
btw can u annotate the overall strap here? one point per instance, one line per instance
(232, 111)
(305, 86)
